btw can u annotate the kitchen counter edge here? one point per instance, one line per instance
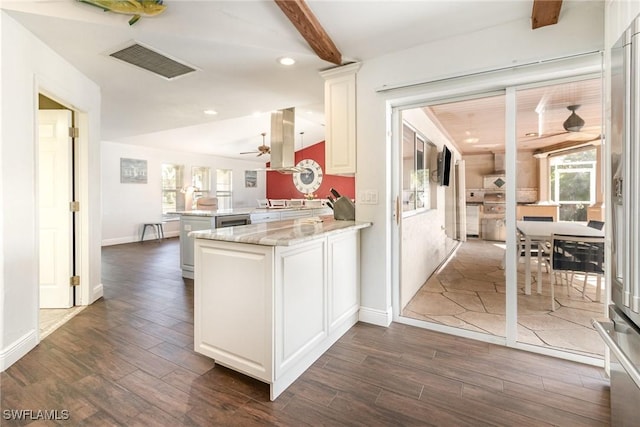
(281, 233)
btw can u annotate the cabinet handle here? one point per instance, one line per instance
(397, 210)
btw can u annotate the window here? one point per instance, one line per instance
(417, 152)
(201, 181)
(224, 186)
(171, 186)
(200, 178)
(573, 183)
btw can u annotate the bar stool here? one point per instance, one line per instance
(157, 226)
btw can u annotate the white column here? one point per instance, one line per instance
(543, 177)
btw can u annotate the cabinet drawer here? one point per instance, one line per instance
(265, 217)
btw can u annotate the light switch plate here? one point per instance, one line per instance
(368, 197)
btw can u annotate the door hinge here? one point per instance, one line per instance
(74, 281)
(74, 206)
(74, 132)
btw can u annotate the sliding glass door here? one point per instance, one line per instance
(558, 163)
(526, 156)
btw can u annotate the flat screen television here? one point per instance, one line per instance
(444, 168)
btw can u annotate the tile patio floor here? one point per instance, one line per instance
(468, 292)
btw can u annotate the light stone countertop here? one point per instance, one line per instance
(281, 233)
(242, 211)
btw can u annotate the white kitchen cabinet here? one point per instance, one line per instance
(322, 211)
(259, 217)
(302, 213)
(278, 215)
(271, 311)
(189, 223)
(340, 118)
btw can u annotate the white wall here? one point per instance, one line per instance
(618, 16)
(27, 67)
(125, 207)
(424, 241)
(580, 30)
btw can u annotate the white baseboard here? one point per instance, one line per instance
(376, 317)
(132, 239)
(98, 292)
(20, 347)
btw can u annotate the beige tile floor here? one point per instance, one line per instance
(468, 292)
(52, 318)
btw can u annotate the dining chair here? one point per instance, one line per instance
(537, 218)
(537, 249)
(576, 254)
(598, 225)
(207, 203)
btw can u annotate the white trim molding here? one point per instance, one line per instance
(376, 317)
(12, 353)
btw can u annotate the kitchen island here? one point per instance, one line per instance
(271, 298)
(195, 220)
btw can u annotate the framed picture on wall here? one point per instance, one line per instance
(133, 171)
(250, 179)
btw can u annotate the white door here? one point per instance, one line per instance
(55, 193)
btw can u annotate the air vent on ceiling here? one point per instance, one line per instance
(150, 60)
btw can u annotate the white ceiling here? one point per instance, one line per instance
(234, 45)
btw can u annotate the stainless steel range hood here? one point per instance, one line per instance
(283, 142)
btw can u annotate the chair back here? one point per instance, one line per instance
(598, 225)
(537, 218)
(577, 253)
(207, 203)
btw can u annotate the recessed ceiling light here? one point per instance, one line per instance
(211, 112)
(256, 114)
(471, 140)
(285, 60)
(531, 134)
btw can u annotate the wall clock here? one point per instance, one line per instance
(308, 181)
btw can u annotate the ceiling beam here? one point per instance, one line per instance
(545, 12)
(309, 27)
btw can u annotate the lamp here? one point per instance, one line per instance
(189, 189)
(574, 122)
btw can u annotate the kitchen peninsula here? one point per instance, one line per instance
(271, 298)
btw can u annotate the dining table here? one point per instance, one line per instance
(541, 232)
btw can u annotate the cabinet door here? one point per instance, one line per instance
(300, 302)
(344, 277)
(340, 115)
(233, 312)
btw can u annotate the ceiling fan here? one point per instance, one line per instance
(574, 130)
(262, 149)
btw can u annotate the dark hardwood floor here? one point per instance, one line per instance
(128, 360)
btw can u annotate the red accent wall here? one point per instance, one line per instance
(280, 186)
